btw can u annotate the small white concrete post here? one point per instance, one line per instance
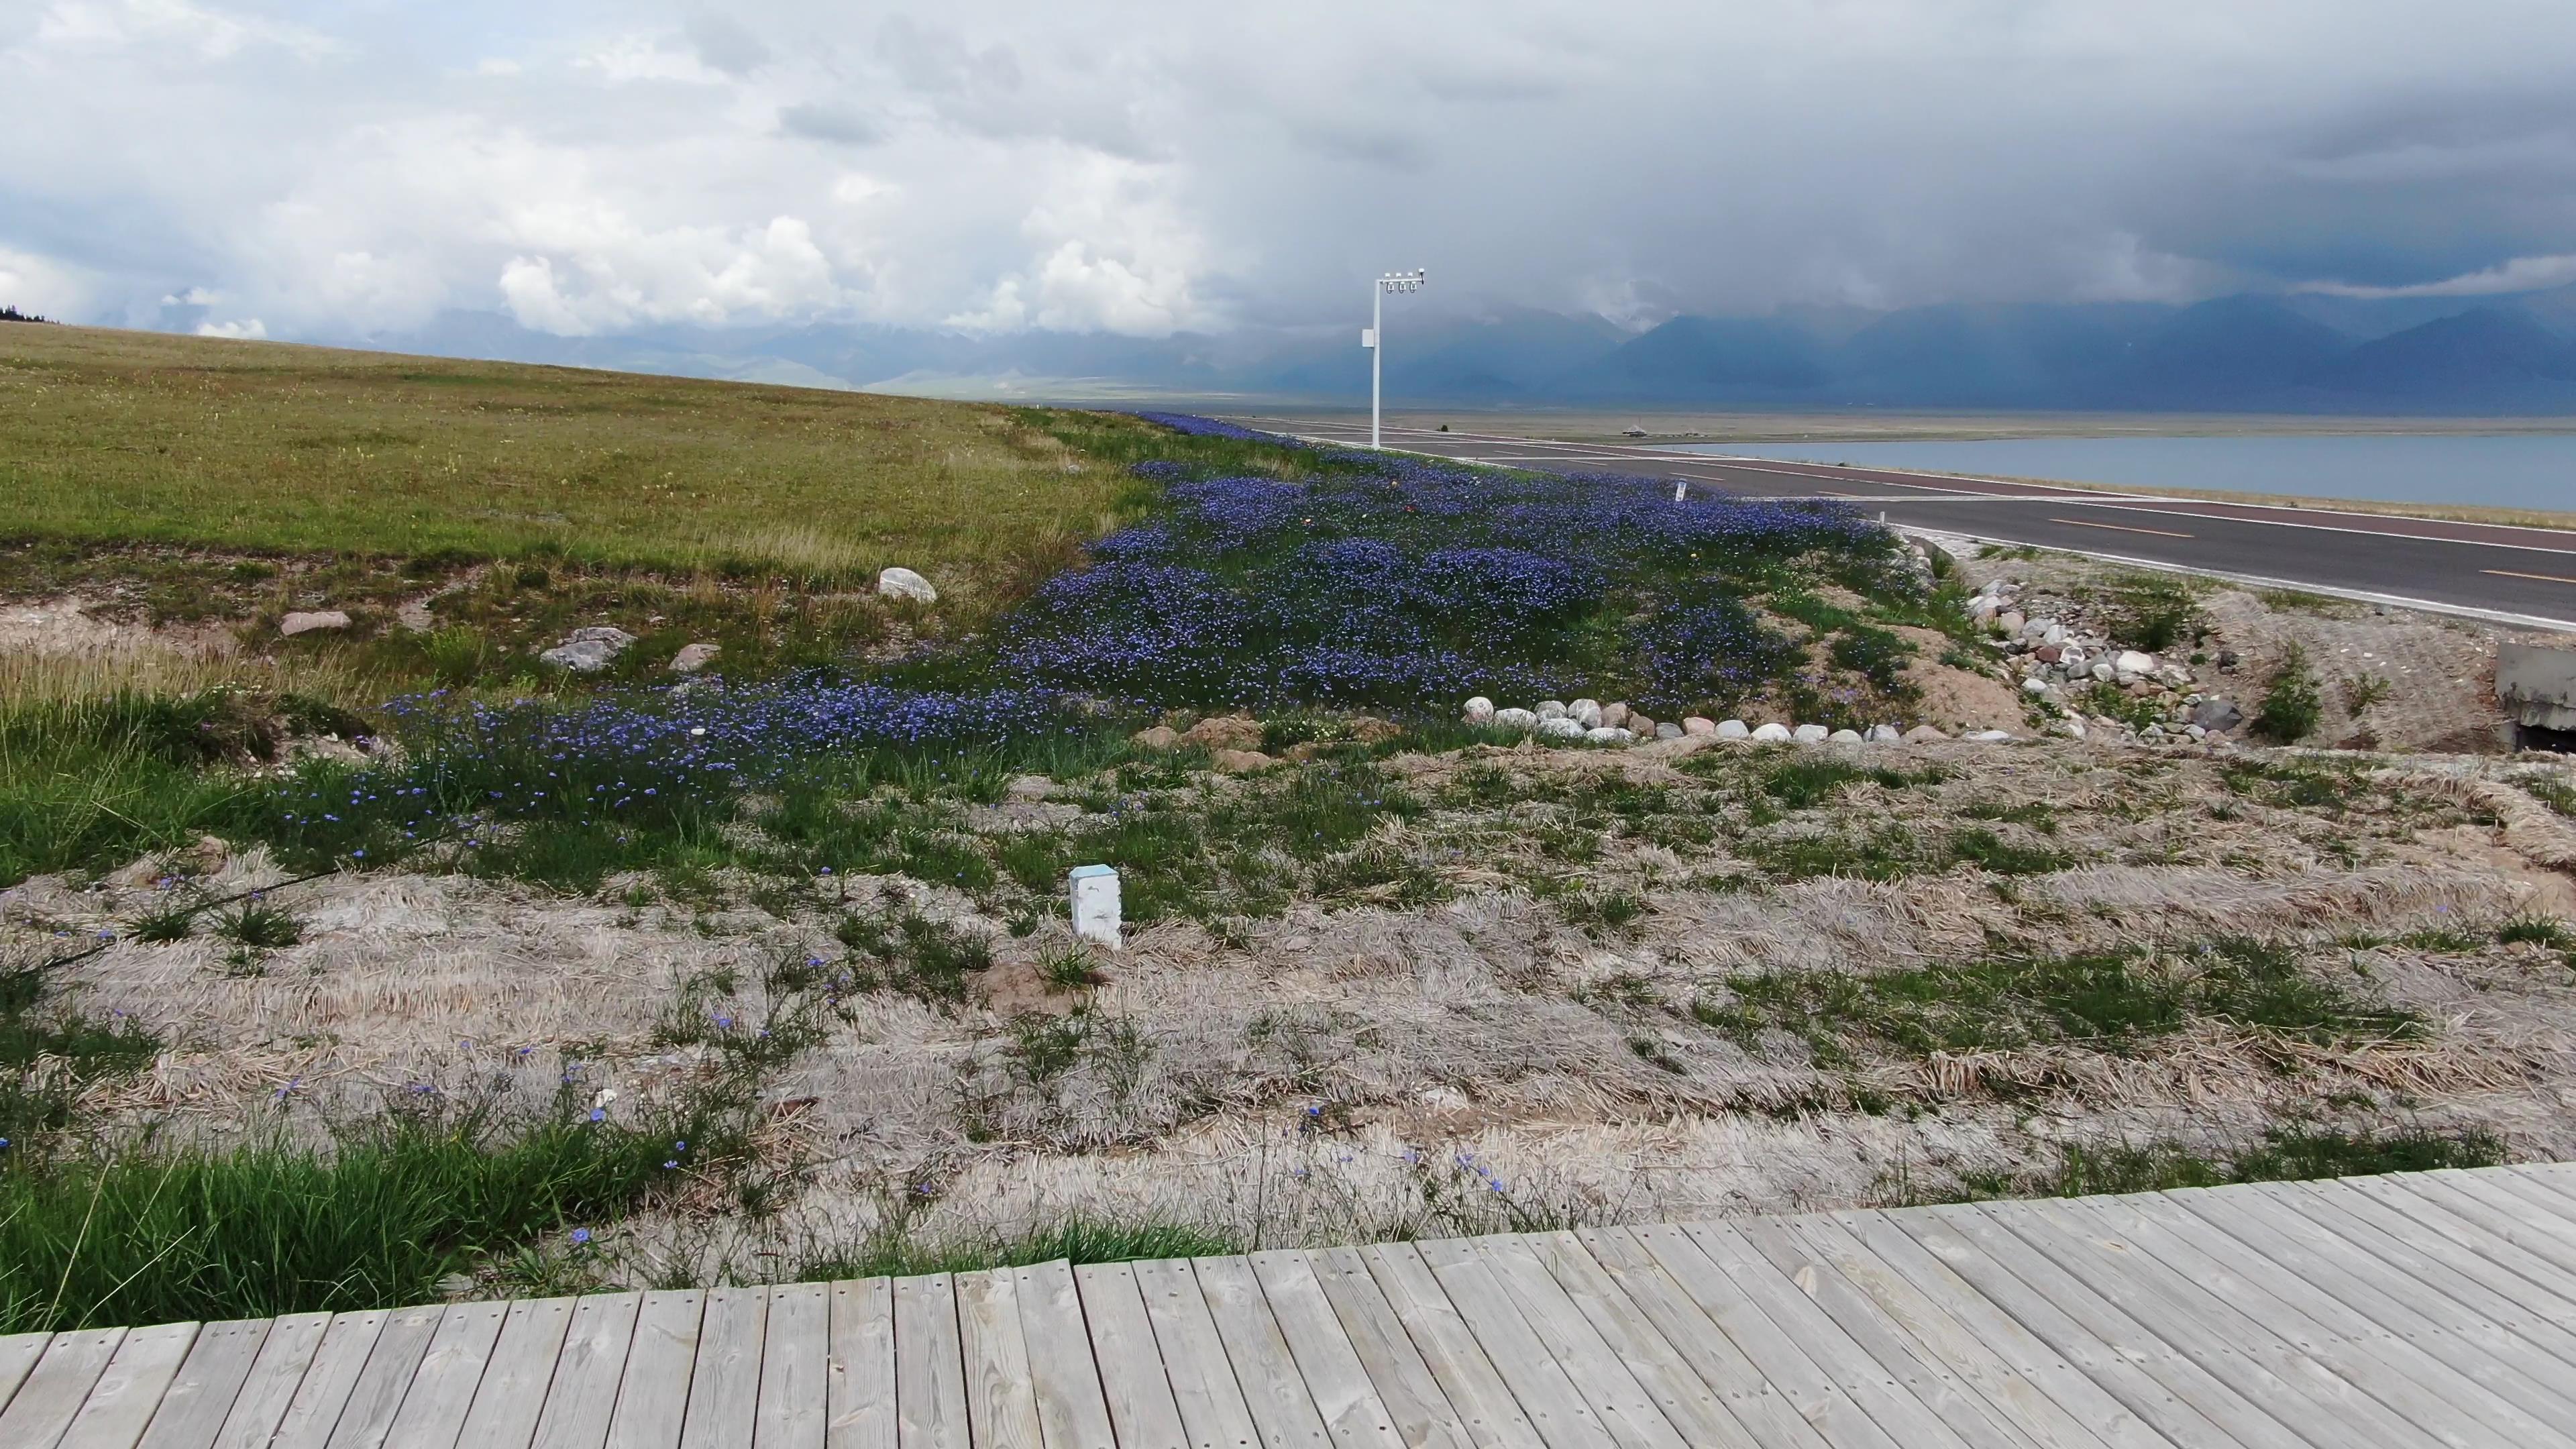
(1095, 904)
(1681, 489)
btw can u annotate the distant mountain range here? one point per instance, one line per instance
(2253, 353)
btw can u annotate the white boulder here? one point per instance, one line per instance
(1515, 719)
(312, 621)
(1810, 734)
(1551, 709)
(1700, 725)
(1844, 737)
(903, 583)
(1770, 734)
(1734, 729)
(1883, 734)
(1560, 728)
(1923, 735)
(694, 657)
(2129, 663)
(1480, 711)
(1585, 712)
(1607, 735)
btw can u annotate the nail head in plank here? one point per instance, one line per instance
(1405, 1382)
(1555, 1406)
(929, 1375)
(1272, 1388)
(1622, 1404)
(121, 1403)
(860, 1391)
(1687, 1400)
(18, 1355)
(51, 1398)
(792, 1367)
(442, 1392)
(512, 1395)
(1141, 1407)
(1873, 1385)
(1071, 1406)
(1202, 1377)
(1354, 1416)
(724, 1388)
(196, 1403)
(1001, 1402)
(661, 1366)
(583, 1396)
(1809, 1388)
(287, 1353)
(1718, 1362)
(332, 1380)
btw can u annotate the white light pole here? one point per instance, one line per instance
(1372, 338)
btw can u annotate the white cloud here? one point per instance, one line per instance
(42, 285)
(247, 328)
(2521, 274)
(1147, 166)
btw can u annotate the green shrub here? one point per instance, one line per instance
(2293, 703)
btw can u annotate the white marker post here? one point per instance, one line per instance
(1094, 891)
(1373, 337)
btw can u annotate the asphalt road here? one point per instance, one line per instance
(2526, 573)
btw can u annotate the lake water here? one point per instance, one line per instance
(2516, 471)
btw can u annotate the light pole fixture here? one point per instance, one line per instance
(1371, 338)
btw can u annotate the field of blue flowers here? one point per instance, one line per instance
(1271, 578)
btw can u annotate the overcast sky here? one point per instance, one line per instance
(1146, 166)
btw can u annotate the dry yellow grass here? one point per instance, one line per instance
(112, 435)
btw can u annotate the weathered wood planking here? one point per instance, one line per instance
(2429, 1309)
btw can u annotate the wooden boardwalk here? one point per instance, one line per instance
(2425, 1309)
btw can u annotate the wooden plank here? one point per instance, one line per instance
(1921, 1374)
(2226, 1344)
(2446, 1236)
(1353, 1414)
(2415, 1217)
(1714, 1359)
(1141, 1407)
(1669, 1252)
(1467, 1378)
(18, 1355)
(724, 1385)
(2035, 1312)
(2507, 1226)
(51, 1397)
(121, 1404)
(1405, 1383)
(2390, 1297)
(1556, 1407)
(512, 1395)
(583, 1397)
(1001, 1403)
(442, 1391)
(2538, 1206)
(2536, 1232)
(794, 1368)
(2550, 1192)
(193, 1408)
(2244, 1420)
(929, 1371)
(1686, 1400)
(2373, 1228)
(338, 1371)
(1622, 1404)
(860, 1392)
(1194, 1358)
(1851, 1282)
(1871, 1384)
(1071, 1406)
(1282, 1410)
(661, 1368)
(2414, 1385)
(2358, 1300)
(259, 1407)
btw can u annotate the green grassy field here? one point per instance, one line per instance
(131, 437)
